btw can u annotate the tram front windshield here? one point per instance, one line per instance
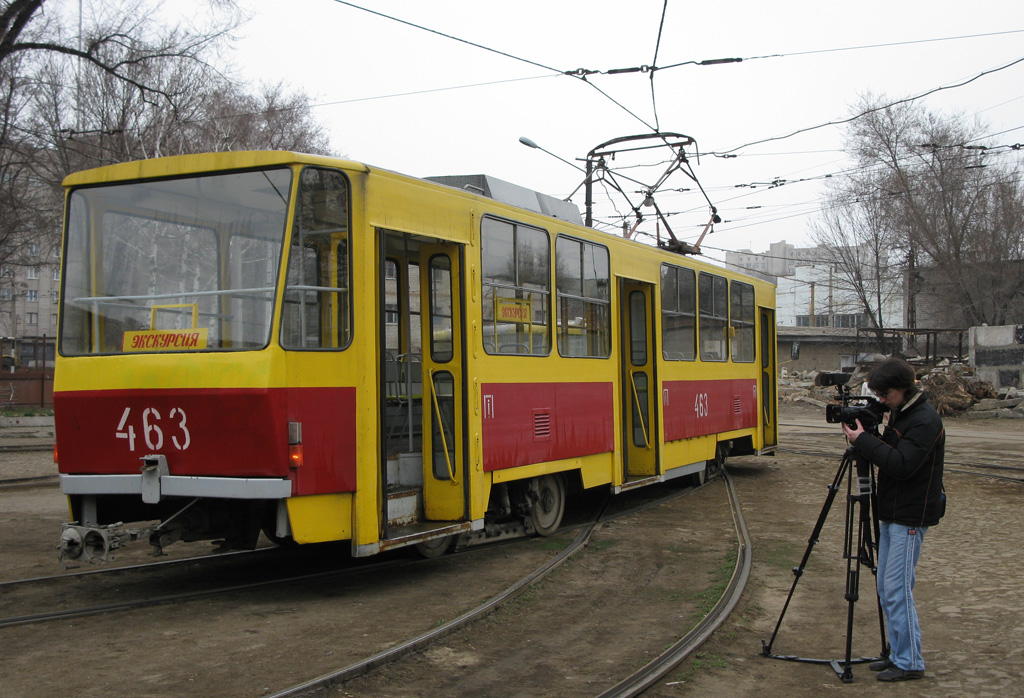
(173, 265)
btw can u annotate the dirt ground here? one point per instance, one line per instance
(640, 584)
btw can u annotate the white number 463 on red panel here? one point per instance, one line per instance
(153, 427)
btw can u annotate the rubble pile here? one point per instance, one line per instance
(951, 388)
(952, 393)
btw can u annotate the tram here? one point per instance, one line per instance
(320, 350)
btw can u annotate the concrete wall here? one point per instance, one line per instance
(815, 356)
(997, 354)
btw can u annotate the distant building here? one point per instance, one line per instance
(815, 297)
(811, 291)
(781, 259)
(28, 304)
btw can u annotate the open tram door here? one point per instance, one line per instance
(766, 381)
(639, 384)
(444, 448)
(422, 433)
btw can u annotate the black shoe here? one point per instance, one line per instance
(894, 673)
(881, 665)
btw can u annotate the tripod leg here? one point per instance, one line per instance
(857, 517)
(833, 489)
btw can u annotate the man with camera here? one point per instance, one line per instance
(910, 498)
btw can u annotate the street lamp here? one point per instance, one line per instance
(530, 144)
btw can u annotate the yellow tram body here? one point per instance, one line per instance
(327, 351)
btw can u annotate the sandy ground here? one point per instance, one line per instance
(642, 582)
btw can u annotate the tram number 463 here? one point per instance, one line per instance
(700, 405)
(153, 427)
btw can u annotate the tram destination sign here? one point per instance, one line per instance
(165, 340)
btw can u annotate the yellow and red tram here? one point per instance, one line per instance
(320, 350)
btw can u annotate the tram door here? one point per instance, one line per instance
(639, 409)
(766, 383)
(444, 448)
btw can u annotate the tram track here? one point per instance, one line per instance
(632, 685)
(26, 448)
(974, 467)
(33, 481)
(606, 510)
(359, 568)
(64, 614)
(111, 569)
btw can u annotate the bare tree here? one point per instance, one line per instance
(946, 209)
(110, 84)
(117, 38)
(271, 119)
(52, 55)
(860, 247)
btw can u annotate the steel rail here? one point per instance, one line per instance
(184, 596)
(978, 466)
(703, 629)
(207, 557)
(390, 655)
(26, 448)
(12, 483)
(641, 680)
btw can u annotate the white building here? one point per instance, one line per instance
(812, 292)
(815, 296)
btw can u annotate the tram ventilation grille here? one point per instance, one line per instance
(541, 425)
(737, 405)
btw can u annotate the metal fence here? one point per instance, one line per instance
(26, 389)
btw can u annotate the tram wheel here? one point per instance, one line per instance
(549, 506)
(435, 547)
(699, 478)
(717, 465)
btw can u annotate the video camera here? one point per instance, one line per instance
(851, 407)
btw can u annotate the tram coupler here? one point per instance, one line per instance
(93, 543)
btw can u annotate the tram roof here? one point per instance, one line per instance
(479, 185)
(203, 162)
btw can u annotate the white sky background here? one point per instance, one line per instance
(385, 90)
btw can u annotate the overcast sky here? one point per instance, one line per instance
(407, 99)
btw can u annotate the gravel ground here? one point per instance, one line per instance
(637, 587)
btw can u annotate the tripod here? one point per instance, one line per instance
(861, 531)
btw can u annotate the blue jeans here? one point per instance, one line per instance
(899, 549)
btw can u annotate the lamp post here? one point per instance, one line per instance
(530, 144)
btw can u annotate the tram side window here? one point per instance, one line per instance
(316, 312)
(742, 314)
(516, 288)
(713, 303)
(678, 313)
(582, 281)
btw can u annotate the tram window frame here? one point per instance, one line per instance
(741, 318)
(713, 317)
(316, 225)
(589, 291)
(678, 314)
(512, 271)
(221, 203)
(442, 308)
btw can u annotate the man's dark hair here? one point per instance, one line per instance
(893, 373)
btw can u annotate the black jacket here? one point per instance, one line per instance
(909, 457)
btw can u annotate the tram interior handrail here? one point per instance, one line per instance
(103, 300)
(639, 412)
(440, 424)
